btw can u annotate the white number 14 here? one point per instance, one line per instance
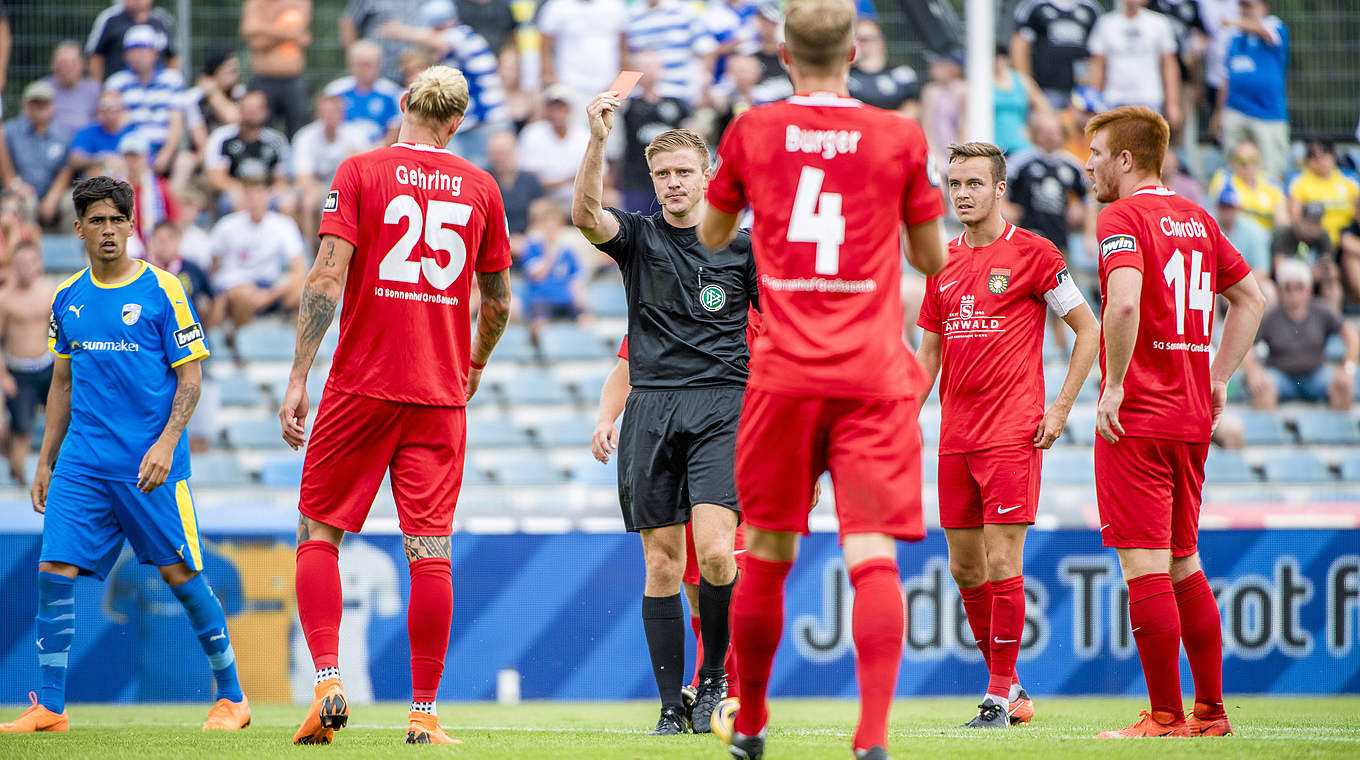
(1198, 291)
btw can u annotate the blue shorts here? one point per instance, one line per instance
(88, 518)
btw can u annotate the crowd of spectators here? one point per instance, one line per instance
(231, 163)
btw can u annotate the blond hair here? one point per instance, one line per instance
(437, 95)
(958, 153)
(1139, 130)
(677, 139)
(819, 33)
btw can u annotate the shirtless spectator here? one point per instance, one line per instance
(277, 33)
(27, 373)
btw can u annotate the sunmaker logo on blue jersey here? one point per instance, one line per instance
(106, 345)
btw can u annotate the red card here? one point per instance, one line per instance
(625, 83)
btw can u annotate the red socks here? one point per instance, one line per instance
(698, 649)
(1157, 633)
(757, 623)
(428, 618)
(733, 676)
(878, 622)
(1007, 625)
(317, 583)
(1202, 633)
(977, 606)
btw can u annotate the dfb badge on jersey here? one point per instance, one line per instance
(998, 281)
(131, 313)
(712, 297)
(332, 201)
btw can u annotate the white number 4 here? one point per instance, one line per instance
(817, 219)
(397, 264)
(1199, 292)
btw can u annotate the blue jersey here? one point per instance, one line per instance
(378, 106)
(124, 342)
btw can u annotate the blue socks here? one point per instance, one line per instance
(56, 621)
(210, 625)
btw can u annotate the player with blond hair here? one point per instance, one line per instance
(403, 229)
(1162, 260)
(833, 184)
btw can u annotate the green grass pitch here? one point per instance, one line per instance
(1273, 728)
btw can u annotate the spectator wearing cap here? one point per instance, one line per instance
(278, 33)
(369, 97)
(154, 203)
(107, 46)
(152, 94)
(258, 255)
(74, 95)
(37, 146)
(570, 27)
(1086, 102)
(1322, 182)
(361, 20)
(942, 103)
(1306, 240)
(1257, 195)
(519, 189)
(1049, 43)
(92, 147)
(1246, 234)
(1133, 60)
(318, 149)
(551, 148)
(457, 45)
(230, 146)
(1289, 362)
(1251, 105)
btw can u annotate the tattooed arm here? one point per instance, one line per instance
(158, 459)
(320, 293)
(427, 547)
(491, 320)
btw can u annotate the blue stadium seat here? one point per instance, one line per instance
(1350, 468)
(1068, 467)
(589, 388)
(607, 299)
(515, 346)
(475, 476)
(282, 473)
(256, 434)
(1327, 428)
(566, 342)
(265, 342)
(1227, 467)
(495, 434)
(1264, 429)
(1080, 430)
(316, 383)
(930, 468)
(1296, 467)
(63, 253)
(574, 431)
(239, 390)
(534, 387)
(217, 470)
(1335, 349)
(589, 472)
(527, 471)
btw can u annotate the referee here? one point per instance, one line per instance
(687, 345)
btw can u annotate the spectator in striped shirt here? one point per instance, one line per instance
(458, 45)
(673, 30)
(369, 97)
(152, 94)
(108, 36)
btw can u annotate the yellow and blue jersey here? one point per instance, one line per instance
(124, 342)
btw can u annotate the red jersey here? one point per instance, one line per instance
(831, 181)
(421, 220)
(1185, 259)
(988, 306)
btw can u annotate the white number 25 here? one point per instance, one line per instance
(398, 266)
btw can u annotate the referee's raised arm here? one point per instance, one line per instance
(587, 206)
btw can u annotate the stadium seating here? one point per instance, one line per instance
(266, 342)
(218, 470)
(534, 387)
(586, 470)
(256, 434)
(1264, 429)
(282, 473)
(573, 432)
(63, 253)
(239, 390)
(1299, 466)
(566, 342)
(527, 470)
(496, 434)
(607, 299)
(515, 346)
(1327, 428)
(1068, 467)
(1350, 468)
(1227, 467)
(1081, 429)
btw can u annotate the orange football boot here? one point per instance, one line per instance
(424, 728)
(1213, 726)
(1150, 724)
(1022, 709)
(36, 718)
(227, 715)
(329, 712)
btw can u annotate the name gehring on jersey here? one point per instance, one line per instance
(828, 142)
(429, 180)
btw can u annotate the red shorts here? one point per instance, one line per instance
(357, 439)
(1148, 491)
(692, 561)
(996, 486)
(871, 447)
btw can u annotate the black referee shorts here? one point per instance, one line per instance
(677, 449)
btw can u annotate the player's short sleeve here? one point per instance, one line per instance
(493, 254)
(727, 191)
(1232, 267)
(182, 336)
(56, 337)
(929, 317)
(620, 246)
(623, 349)
(1055, 285)
(340, 210)
(1117, 231)
(921, 199)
